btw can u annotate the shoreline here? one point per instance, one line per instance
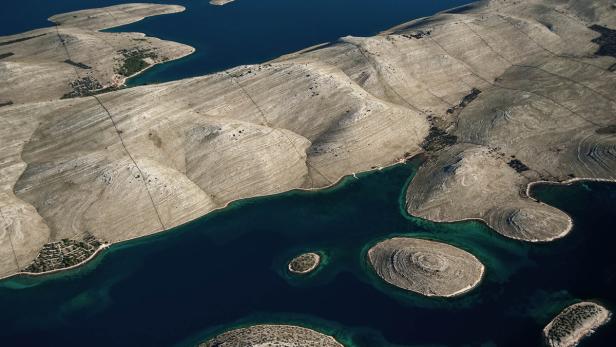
(92, 256)
(316, 264)
(529, 187)
(218, 209)
(455, 295)
(123, 81)
(400, 161)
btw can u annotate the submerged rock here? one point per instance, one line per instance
(575, 322)
(304, 263)
(272, 335)
(426, 267)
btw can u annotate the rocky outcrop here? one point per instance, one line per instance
(499, 95)
(574, 323)
(304, 263)
(272, 335)
(220, 2)
(545, 98)
(426, 267)
(74, 58)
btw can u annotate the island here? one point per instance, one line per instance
(304, 263)
(575, 322)
(220, 2)
(272, 335)
(426, 267)
(495, 96)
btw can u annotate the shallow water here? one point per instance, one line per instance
(229, 269)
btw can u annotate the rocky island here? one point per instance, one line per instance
(497, 95)
(574, 323)
(220, 2)
(426, 267)
(272, 335)
(304, 263)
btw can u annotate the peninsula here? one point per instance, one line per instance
(75, 58)
(497, 95)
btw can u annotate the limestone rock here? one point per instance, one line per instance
(574, 323)
(272, 336)
(304, 263)
(499, 94)
(426, 267)
(75, 58)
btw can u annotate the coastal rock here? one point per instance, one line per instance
(426, 267)
(545, 98)
(304, 263)
(273, 336)
(498, 95)
(574, 323)
(220, 2)
(74, 58)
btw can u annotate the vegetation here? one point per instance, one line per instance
(79, 65)
(606, 42)
(134, 61)
(610, 129)
(63, 254)
(518, 166)
(20, 40)
(83, 87)
(438, 139)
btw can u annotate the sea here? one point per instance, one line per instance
(228, 269)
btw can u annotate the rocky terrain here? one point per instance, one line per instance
(574, 323)
(272, 336)
(545, 112)
(74, 58)
(498, 95)
(304, 263)
(426, 267)
(220, 2)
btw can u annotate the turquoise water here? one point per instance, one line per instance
(229, 269)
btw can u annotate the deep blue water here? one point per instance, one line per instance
(242, 32)
(228, 269)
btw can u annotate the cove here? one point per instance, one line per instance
(242, 32)
(228, 269)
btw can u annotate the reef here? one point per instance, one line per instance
(574, 323)
(304, 263)
(273, 336)
(426, 267)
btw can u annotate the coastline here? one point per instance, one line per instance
(528, 195)
(126, 78)
(218, 209)
(565, 231)
(340, 180)
(367, 265)
(92, 256)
